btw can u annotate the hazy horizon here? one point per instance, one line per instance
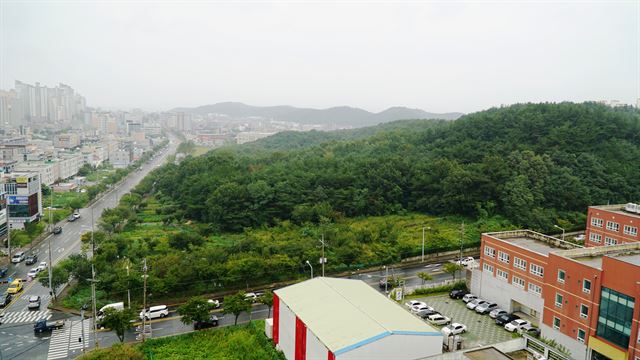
(439, 57)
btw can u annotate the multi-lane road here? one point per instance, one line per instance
(16, 332)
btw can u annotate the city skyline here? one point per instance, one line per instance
(437, 57)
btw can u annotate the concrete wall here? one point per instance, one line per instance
(505, 347)
(287, 331)
(397, 347)
(315, 349)
(577, 349)
(501, 292)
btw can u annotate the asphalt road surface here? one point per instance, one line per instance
(16, 332)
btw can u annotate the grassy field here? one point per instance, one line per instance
(99, 174)
(242, 342)
(200, 150)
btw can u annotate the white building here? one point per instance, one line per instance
(329, 318)
(120, 159)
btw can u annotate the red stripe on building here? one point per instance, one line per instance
(330, 355)
(276, 319)
(301, 340)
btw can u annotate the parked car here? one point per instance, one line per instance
(530, 330)
(33, 273)
(486, 308)
(505, 319)
(497, 312)
(57, 230)
(516, 325)
(211, 322)
(76, 215)
(214, 303)
(42, 266)
(458, 294)
(71, 218)
(468, 297)
(34, 302)
(421, 310)
(466, 261)
(5, 299)
(251, 296)
(15, 287)
(31, 259)
(155, 312)
(3, 271)
(471, 305)
(427, 313)
(17, 257)
(438, 319)
(411, 303)
(454, 329)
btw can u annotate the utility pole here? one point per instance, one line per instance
(461, 241)
(423, 229)
(144, 300)
(386, 279)
(93, 296)
(82, 310)
(323, 259)
(128, 290)
(6, 201)
(93, 244)
(53, 293)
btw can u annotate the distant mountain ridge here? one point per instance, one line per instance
(339, 115)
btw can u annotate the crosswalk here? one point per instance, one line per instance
(23, 301)
(16, 317)
(69, 339)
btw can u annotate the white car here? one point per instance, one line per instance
(42, 266)
(454, 329)
(469, 297)
(438, 319)
(155, 312)
(411, 303)
(251, 296)
(214, 303)
(471, 305)
(466, 261)
(33, 273)
(421, 309)
(497, 312)
(516, 325)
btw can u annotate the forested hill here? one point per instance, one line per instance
(536, 164)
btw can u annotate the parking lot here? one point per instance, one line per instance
(482, 329)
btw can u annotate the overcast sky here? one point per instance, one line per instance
(438, 56)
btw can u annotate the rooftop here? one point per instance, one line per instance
(616, 209)
(592, 256)
(345, 314)
(533, 241)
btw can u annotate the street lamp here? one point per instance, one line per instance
(556, 226)
(423, 229)
(311, 266)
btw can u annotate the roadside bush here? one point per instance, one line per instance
(460, 285)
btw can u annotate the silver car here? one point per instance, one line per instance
(34, 302)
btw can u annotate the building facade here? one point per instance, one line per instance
(611, 225)
(23, 198)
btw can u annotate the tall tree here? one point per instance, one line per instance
(195, 310)
(236, 305)
(118, 321)
(267, 299)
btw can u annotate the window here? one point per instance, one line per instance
(559, 300)
(517, 282)
(556, 323)
(490, 252)
(534, 288)
(586, 286)
(615, 317)
(630, 230)
(595, 238)
(561, 276)
(584, 311)
(504, 257)
(502, 274)
(581, 335)
(488, 268)
(596, 222)
(520, 264)
(610, 241)
(537, 270)
(613, 226)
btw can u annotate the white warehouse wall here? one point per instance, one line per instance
(287, 334)
(577, 349)
(488, 287)
(397, 347)
(315, 349)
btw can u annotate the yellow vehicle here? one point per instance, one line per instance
(15, 287)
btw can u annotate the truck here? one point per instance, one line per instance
(43, 325)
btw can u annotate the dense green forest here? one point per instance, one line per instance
(535, 164)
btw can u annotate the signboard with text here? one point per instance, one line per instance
(22, 180)
(17, 200)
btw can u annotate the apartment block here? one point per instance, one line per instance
(612, 224)
(576, 295)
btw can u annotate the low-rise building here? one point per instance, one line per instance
(612, 224)
(120, 158)
(23, 198)
(329, 318)
(66, 141)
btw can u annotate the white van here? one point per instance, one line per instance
(154, 312)
(17, 257)
(118, 306)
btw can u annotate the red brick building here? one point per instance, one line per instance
(611, 225)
